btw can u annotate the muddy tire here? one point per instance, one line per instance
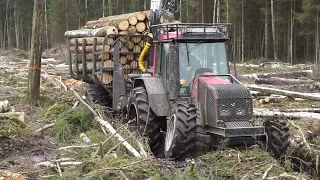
(181, 132)
(99, 95)
(277, 138)
(202, 140)
(150, 128)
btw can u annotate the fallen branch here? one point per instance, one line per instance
(59, 169)
(112, 135)
(124, 167)
(75, 104)
(45, 127)
(298, 115)
(117, 145)
(109, 127)
(265, 175)
(53, 164)
(142, 151)
(64, 159)
(294, 74)
(284, 92)
(310, 110)
(82, 146)
(123, 175)
(62, 84)
(283, 81)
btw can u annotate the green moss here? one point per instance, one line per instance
(12, 126)
(55, 110)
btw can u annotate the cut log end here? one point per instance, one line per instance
(141, 26)
(124, 25)
(112, 30)
(133, 20)
(105, 78)
(141, 16)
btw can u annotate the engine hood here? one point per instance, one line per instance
(209, 79)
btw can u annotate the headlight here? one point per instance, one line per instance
(225, 111)
(240, 112)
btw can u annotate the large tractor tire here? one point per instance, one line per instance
(202, 140)
(149, 127)
(99, 95)
(181, 132)
(277, 138)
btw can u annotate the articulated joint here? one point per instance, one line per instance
(142, 56)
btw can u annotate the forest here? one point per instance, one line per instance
(280, 30)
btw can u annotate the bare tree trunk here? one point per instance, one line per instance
(16, 23)
(1, 35)
(103, 8)
(275, 53)
(239, 42)
(266, 31)
(218, 11)
(202, 12)
(110, 7)
(35, 56)
(187, 2)
(277, 31)
(234, 42)
(118, 6)
(227, 2)
(307, 52)
(7, 25)
(180, 16)
(122, 6)
(291, 34)
(67, 19)
(86, 7)
(46, 21)
(242, 33)
(318, 40)
(214, 11)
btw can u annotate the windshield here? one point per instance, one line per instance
(211, 56)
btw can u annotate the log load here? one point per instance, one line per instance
(132, 24)
(100, 32)
(119, 24)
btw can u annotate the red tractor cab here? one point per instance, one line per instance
(191, 96)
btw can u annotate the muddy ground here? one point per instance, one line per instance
(20, 152)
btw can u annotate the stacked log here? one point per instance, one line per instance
(119, 24)
(130, 49)
(104, 29)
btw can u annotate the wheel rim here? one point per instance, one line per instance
(171, 128)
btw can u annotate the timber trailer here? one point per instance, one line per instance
(182, 96)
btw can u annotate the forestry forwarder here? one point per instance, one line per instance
(186, 99)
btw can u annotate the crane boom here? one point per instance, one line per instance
(166, 8)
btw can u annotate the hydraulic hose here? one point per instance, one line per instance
(143, 54)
